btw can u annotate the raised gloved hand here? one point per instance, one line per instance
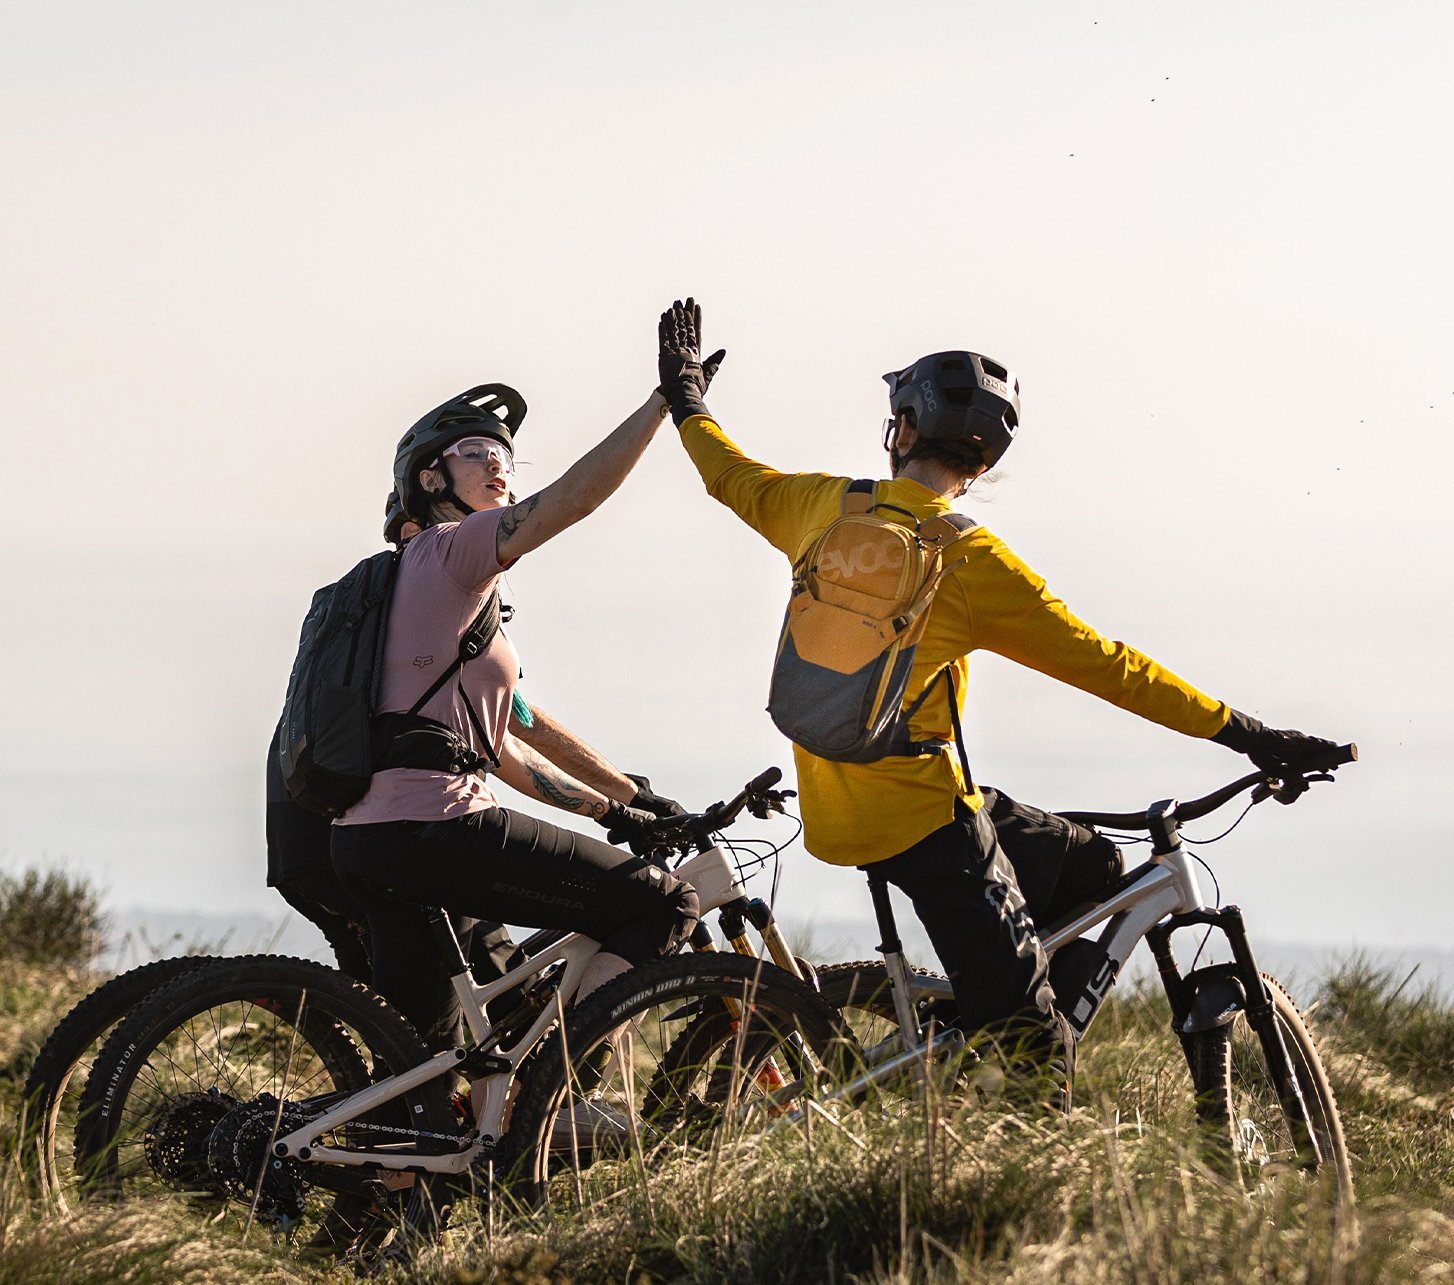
(628, 825)
(648, 800)
(1271, 749)
(685, 377)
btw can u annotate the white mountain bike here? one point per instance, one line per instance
(300, 1095)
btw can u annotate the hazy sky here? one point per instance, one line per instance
(247, 245)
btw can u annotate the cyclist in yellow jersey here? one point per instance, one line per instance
(917, 820)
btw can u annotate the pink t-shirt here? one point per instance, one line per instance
(445, 576)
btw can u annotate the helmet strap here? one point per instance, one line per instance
(449, 495)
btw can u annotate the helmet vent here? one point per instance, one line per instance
(953, 363)
(994, 369)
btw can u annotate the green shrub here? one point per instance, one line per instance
(49, 918)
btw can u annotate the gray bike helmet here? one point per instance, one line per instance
(959, 399)
(487, 410)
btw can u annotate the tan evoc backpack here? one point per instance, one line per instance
(860, 600)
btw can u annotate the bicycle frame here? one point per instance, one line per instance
(1151, 895)
(1152, 901)
(719, 887)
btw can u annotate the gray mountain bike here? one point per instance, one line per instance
(1262, 1095)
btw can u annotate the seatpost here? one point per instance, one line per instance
(454, 960)
(892, 949)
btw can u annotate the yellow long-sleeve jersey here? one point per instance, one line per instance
(857, 813)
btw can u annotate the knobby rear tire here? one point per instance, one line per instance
(649, 1113)
(218, 1038)
(864, 986)
(47, 1123)
(1245, 1132)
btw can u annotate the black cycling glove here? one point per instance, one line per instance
(684, 375)
(1271, 749)
(631, 826)
(648, 800)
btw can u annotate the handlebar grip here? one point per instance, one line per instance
(764, 780)
(1335, 757)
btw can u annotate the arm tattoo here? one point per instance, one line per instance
(515, 517)
(552, 790)
(555, 788)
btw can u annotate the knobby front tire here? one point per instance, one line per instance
(1243, 1123)
(668, 1059)
(181, 1101)
(52, 1093)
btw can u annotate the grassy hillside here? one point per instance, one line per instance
(933, 1188)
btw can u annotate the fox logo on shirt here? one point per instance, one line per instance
(423, 662)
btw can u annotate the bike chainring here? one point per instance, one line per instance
(237, 1151)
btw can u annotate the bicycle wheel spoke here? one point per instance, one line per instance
(666, 1074)
(193, 1088)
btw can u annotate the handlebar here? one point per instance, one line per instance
(757, 796)
(1315, 767)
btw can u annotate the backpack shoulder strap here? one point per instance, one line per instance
(858, 498)
(472, 642)
(947, 527)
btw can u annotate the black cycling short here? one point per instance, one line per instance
(980, 884)
(300, 867)
(505, 866)
(1059, 864)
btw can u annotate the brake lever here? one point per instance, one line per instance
(769, 801)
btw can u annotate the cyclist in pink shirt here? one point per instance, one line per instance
(425, 837)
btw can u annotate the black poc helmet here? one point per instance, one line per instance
(959, 399)
(394, 519)
(487, 410)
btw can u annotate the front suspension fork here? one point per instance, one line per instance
(734, 920)
(1261, 1015)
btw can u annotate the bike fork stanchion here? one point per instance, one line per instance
(770, 1077)
(1159, 939)
(760, 915)
(892, 949)
(1261, 1016)
(1263, 1019)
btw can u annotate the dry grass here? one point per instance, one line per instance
(935, 1189)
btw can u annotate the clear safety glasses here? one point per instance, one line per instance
(481, 449)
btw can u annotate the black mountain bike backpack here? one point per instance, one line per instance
(332, 741)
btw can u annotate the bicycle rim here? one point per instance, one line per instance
(862, 994)
(669, 1061)
(187, 1096)
(51, 1096)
